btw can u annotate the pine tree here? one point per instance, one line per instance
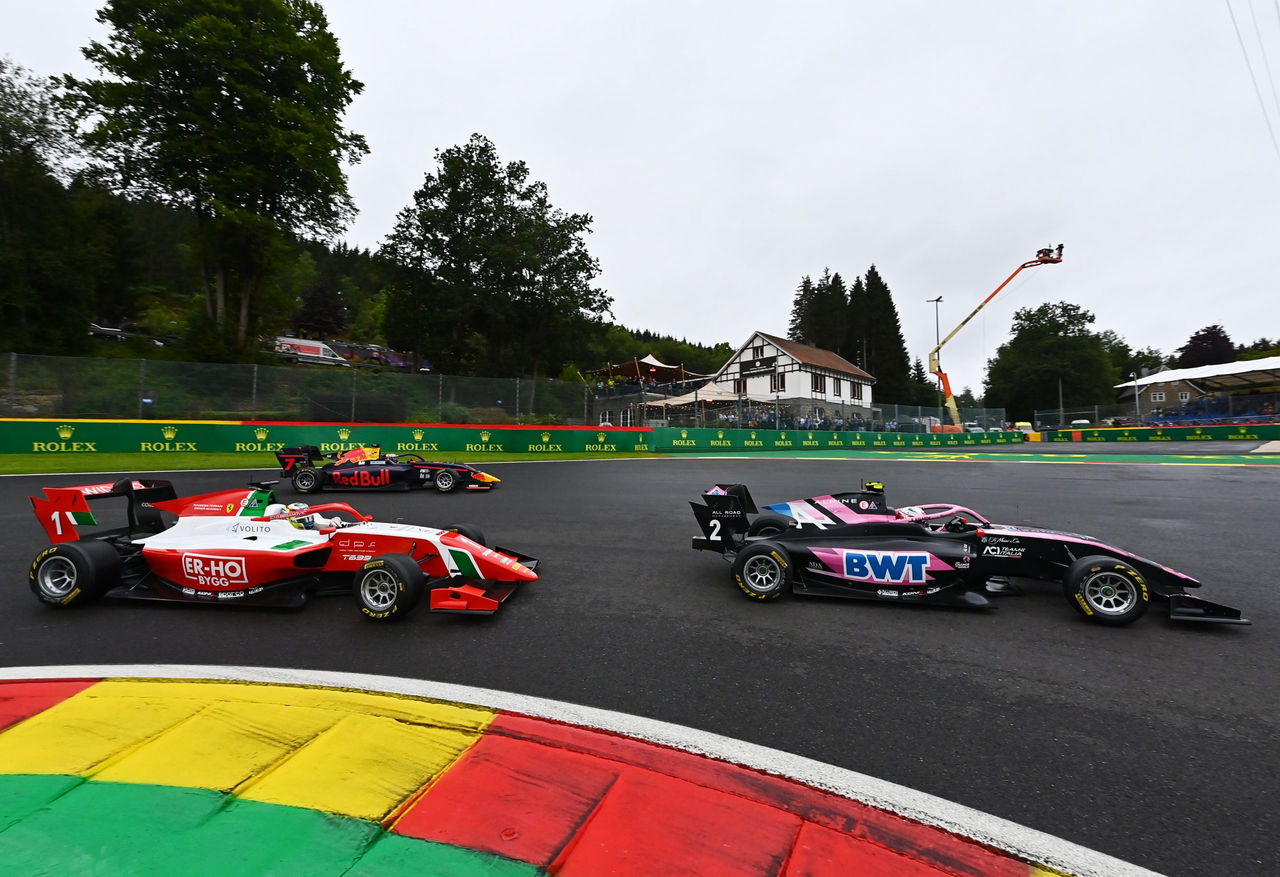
(854, 345)
(798, 329)
(886, 351)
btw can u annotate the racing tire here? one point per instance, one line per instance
(769, 525)
(762, 571)
(471, 531)
(446, 480)
(74, 573)
(388, 587)
(307, 480)
(1106, 590)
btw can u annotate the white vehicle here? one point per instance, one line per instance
(308, 351)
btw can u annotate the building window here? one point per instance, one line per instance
(778, 382)
(757, 352)
(818, 383)
(855, 390)
(739, 385)
(1184, 396)
(1157, 397)
(835, 387)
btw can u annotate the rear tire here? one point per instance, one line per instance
(471, 531)
(74, 573)
(1106, 590)
(446, 480)
(762, 571)
(307, 480)
(388, 587)
(769, 525)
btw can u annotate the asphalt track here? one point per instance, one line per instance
(1156, 744)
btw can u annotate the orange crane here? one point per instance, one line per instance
(1045, 256)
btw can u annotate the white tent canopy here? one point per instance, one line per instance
(1222, 376)
(709, 393)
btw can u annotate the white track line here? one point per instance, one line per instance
(1025, 843)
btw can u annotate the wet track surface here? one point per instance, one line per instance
(1156, 743)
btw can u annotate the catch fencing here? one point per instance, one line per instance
(89, 387)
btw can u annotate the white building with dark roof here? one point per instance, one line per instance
(769, 367)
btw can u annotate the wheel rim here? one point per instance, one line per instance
(57, 576)
(444, 480)
(1110, 593)
(306, 480)
(762, 574)
(378, 589)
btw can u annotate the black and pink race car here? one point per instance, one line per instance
(855, 545)
(241, 547)
(367, 468)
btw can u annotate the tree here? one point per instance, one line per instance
(1210, 346)
(500, 279)
(46, 272)
(924, 388)
(1050, 344)
(1260, 349)
(231, 108)
(886, 352)
(799, 328)
(857, 326)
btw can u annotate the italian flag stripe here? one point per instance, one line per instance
(466, 566)
(85, 518)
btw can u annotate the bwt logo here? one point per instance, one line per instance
(887, 567)
(210, 569)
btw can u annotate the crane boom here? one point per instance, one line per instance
(1045, 256)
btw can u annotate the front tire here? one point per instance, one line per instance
(762, 571)
(74, 573)
(471, 531)
(307, 480)
(388, 587)
(1106, 590)
(446, 480)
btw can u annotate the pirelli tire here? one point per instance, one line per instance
(388, 587)
(471, 531)
(446, 480)
(762, 571)
(769, 525)
(308, 480)
(1106, 590)
(74, 573)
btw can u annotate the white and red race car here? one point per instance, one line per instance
(242, 547)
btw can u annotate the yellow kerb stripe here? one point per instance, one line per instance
(353, 753)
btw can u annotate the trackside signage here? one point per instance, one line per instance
(668, 439)
(259, 441)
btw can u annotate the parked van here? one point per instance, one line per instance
(306, 350)
(1023, 426)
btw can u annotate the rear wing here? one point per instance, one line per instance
(63, 510)
(292, 458)
(722, 517)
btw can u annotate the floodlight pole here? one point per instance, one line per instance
(1137, 410)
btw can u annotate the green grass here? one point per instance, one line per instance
(28, 464)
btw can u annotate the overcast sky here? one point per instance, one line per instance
(727, 149)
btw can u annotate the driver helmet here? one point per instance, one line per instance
(303, 522)
(276, 508)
